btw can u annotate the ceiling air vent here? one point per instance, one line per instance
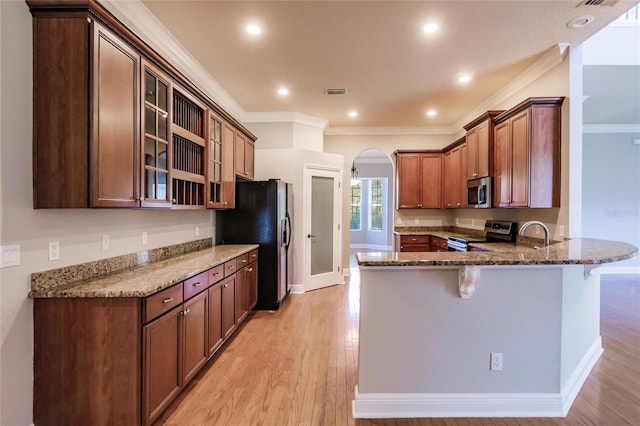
(336, 91)
(598, 3)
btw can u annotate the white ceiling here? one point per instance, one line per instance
(392, 70)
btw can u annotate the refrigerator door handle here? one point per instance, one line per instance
(288, 230)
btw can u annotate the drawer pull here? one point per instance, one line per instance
(231, 267)
(244, 260)
(198, 284)
(215, 274)
(413, 239)
(167, 300)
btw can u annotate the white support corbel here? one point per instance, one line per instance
(467, 277)
(589, 271)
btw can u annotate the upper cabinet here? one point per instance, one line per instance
(116, 125)
(479, 140)
(244, 156)
(85, 137)
(527, 154)
(455, 185)
(418, 180)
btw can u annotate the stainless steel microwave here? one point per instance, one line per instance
(479, 193)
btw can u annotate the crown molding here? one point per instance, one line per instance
(139, 19)
(552, 57)
(285, 117)
(611, 128)
(372, 131)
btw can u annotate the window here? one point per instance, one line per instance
(376, 198)
(356, 203)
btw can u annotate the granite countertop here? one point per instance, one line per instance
(137, 281)
(578, 251)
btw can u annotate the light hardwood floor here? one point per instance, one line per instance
(297, 366)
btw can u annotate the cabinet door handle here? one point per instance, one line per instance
(167, 300)
(249, 269)
(186, 312)
(226, 285)
(198, 284)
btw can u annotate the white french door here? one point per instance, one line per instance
(323, 205)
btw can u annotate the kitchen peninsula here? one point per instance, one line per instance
(511, 331)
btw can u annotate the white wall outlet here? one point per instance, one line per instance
(54, 250)
(561, 230)
(537, 229)
(496, 361)
(106, 245)
(145, 238)
(197, 231)
(10, 256)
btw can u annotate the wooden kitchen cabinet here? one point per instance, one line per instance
(527, 154)
(196, 335)
(221, 176)
(116, 125)
(244, 152)
(86, 83)
(439, 244)
(162, 363)
(216, 336)
(228, 306)
(418, 180)
(241, 289)
(252, 280)
(455, 186)
(412, 243)
(479, 141)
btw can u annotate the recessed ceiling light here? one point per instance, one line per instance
(432, 113)
(430, 28)
(464, 78)
(353, 114)
(283, 91)
(253, 29)
(581, 21)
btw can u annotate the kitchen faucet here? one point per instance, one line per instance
(536, 222)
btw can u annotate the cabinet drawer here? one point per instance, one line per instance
(439, 242)
(414, 239)
(195, 285)
(230, 267)
(253, 255)
(216, 274)
(161, 302)
(242, 260)
(414, 247)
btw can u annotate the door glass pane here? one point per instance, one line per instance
(149, 152)
(162, 155)
(162, 126)
(150, 121)
(150, 183)
(149, 88)
(216, 152)
(162, 186)
(163, 89)
(217, 175)
(321, 225)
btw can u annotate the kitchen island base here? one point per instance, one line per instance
(425, 351)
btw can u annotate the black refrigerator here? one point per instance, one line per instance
(263, 216)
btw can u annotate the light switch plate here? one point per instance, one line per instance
(105, 242)
(9, 256)
(54, 250)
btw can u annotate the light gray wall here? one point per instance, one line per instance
(78, 231)
(364, 237)
(611, 190)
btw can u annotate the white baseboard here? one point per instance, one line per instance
(414, 405)
(614, 270)
(574, 383)
(297, 288)
(370, 247)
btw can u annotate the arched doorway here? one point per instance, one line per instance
(371, 202)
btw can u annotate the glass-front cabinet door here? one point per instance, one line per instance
(156, 186)
(215, 163)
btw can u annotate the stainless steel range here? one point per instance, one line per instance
(496, 231)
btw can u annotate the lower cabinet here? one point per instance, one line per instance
(412, 243)
(112, 360)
